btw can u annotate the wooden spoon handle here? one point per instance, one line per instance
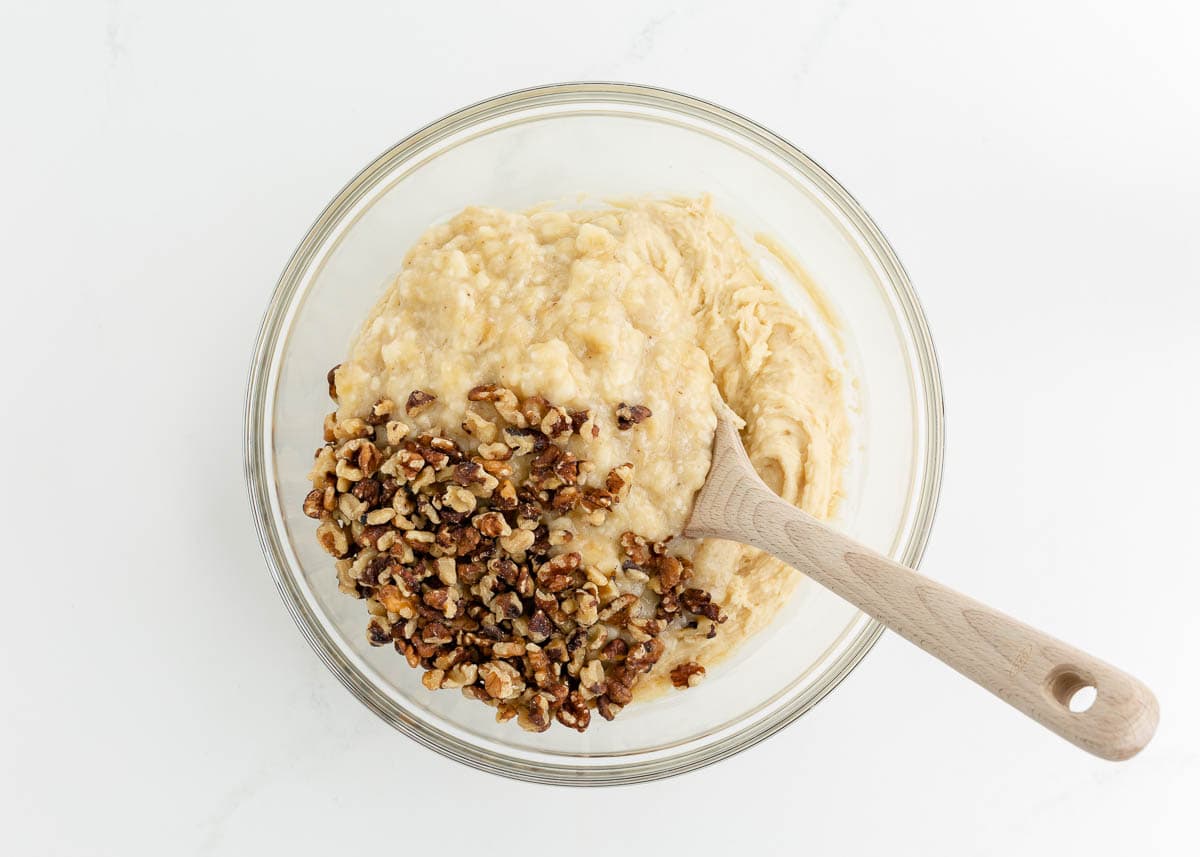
(1030, 670)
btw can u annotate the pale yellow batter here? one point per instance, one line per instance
(651, 302)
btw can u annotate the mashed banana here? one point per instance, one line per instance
(653, 302)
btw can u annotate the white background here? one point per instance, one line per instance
(1035, 165)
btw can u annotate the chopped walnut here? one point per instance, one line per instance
(350, 429)
(556, 423)
(687, 674)
(418, 402)
(575, 712)
(333, 538)
(483, 430)
(644, 655)
(630, 415)
(378, 634)
(517, 541)
(501, 680)
(583, 425)
(331, 379)
(618, 480)
(491, 524)
(521, 442)
(536, 716)
(607, 708)
(361, 455)
(314, 504)
(614, 650)
(508, 650)
(380, 412)
(534, 409)
(591, 679)
(460, 499)
(495, 451)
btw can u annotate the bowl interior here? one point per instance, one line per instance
(581, 148)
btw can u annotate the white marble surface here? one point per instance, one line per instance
(1033, 163)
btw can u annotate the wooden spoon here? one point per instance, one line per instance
(1030, 670)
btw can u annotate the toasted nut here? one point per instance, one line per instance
(607, 708)
(378, 632)
(361, 454)
(508, 650)
(380, 412)
(635, 548)
(540, 628)
(670, 571)
(418, 402)
(369, 491)
(396, 432)
(533, 409)
(461, 675)
(700, 602)
(323, 467)
(644, 655)
(517, 541)
(419, 538)
(501, 680)
(314, 503)
(630, 415)
(507, 605)
(495, 451)
(424, 479)
(505, 495)
(583, 425)
(556, 424)
(620, 685)
(380, 516)
(503, 399)
(618, 480)
(446, 571)
(351, 429)
(491, 524)
(498, 469)
(587, 601)
(688, 674)
(591, 680)
(474, 424)
(575, 712)
(482, 393)
(468, 473)
(333, 538)
(521, 442)
(535, 717)
(614, 650)
(460, 499)
(616, 612)
(331, 378)
(432, 679)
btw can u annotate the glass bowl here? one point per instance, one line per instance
(600, 140)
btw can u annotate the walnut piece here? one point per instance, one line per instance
(630, 415)
(418, 402)
(687, 674)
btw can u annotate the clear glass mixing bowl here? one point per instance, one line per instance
(602, 140)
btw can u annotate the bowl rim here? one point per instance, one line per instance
(263, 370)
